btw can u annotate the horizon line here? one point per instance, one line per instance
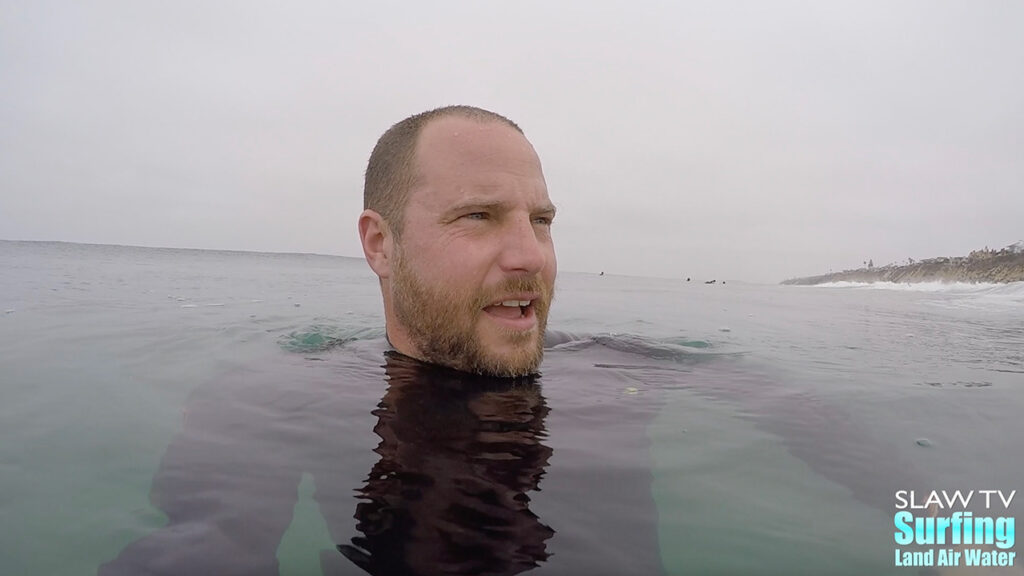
(238, 251)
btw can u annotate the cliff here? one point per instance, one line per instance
(1006, 265)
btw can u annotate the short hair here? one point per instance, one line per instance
(391, 171)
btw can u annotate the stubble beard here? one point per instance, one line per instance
(442, 324)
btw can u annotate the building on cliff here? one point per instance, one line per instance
(988, 266)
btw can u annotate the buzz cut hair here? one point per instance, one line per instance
(391, 171)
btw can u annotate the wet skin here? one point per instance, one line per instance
(476, 229)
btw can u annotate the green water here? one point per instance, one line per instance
(101, 349)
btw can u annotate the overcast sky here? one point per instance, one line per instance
(735, 140)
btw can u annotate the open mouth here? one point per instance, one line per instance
(511, 309)
(515, 312)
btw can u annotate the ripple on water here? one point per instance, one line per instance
(323, 337)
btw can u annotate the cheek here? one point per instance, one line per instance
(450, 264)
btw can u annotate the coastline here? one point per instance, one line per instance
(981, 266)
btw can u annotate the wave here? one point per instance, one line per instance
(674, 349)
(325, 337)
(1012, 289)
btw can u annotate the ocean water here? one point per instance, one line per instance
(200, 412)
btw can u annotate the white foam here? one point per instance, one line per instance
(965, 288)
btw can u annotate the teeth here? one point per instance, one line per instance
(515, 303)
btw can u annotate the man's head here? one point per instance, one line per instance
(457, 226)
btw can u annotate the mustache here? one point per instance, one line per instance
(515, 285)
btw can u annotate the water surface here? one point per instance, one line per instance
(157, 403)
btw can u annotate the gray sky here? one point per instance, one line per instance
(737, 140)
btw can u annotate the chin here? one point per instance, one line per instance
(511, 359)
(504, 370)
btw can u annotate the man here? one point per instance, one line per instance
(463, 470)
(457, 226)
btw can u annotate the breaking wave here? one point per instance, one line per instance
(964, 288)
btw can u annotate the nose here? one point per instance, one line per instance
(524, 247)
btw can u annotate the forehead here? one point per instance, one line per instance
(458, 157)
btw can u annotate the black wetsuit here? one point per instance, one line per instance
(418, 470)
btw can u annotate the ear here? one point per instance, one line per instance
(377, 241)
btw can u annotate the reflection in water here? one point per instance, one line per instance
(458, 455)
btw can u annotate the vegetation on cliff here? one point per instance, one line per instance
(996, 266)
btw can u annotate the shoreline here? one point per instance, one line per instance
(981, 266)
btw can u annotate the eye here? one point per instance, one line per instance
(543, 220)
(476, 216)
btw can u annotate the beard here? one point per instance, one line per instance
(442, 323)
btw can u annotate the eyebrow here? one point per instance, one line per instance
(494, 205)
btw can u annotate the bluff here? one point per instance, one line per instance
(1006, 265)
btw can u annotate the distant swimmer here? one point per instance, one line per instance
(602, 273)
(710, 282)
